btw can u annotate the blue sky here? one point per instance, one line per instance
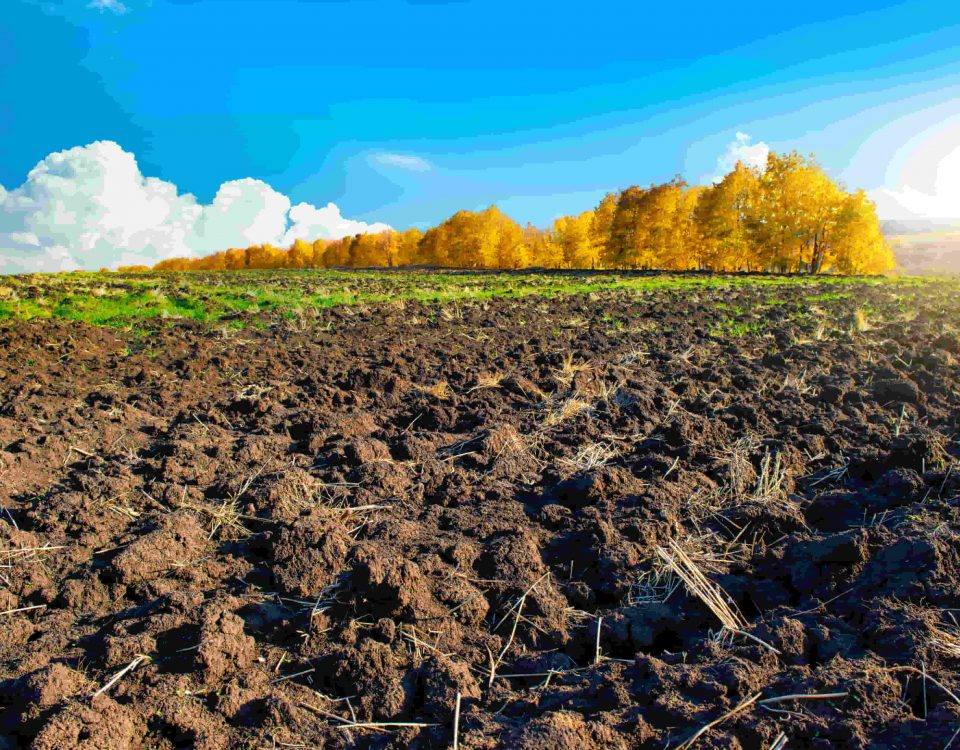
(404, 111)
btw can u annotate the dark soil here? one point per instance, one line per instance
(290, 531)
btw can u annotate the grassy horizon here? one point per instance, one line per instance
(120, 300)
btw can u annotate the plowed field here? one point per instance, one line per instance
(725, 514)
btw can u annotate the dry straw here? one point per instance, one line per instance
(710, 593)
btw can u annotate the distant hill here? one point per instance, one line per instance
(926, 252)
(895, 227)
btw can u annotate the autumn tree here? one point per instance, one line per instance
(647, 230)
(408, 248)
(857, 244)
(511, 252)
(724, 221)
(264, 256)
(797, 211)
(435, 246)
(789, 216)
(318, 248)
(601, 225)
(337, 253)
(621, 249)
(172, 264)
(488, 239)
(575, 242)
(363, 251)
(472, 241)
(300, 255)
(234, 259)
(541, 246)
(683, 240)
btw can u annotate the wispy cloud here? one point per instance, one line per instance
(113, 6)
(404, 161)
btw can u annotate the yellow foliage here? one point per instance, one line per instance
(575, 242)
(789, 216)
(723, 217)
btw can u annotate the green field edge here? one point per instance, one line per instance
(240, 297)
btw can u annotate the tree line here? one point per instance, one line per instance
(788, 217)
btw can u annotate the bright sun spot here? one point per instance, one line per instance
(928, 186)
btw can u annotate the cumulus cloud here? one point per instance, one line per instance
(243, 213)
(90, 207)
(741, 149)
(310, 223)
(404, 161)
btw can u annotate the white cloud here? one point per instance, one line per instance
(941, 201)
(114, 6)
(244, 212)
(25, 238)
(741, 149)
(90, 207)
(404, 161)
(310, 223)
